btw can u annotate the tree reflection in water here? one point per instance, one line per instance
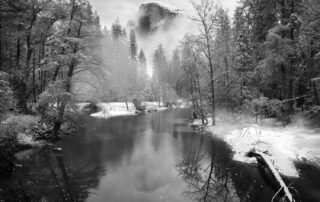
(49, 179)
(211, 175)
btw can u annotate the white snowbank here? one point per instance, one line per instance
(277, 145)
(81, 106)
(108, 110)
(154, 106)
(282, 145)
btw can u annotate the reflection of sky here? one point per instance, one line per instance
(149, 176)
(109, 10)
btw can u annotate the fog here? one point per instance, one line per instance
(168, 38)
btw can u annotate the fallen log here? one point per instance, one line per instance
(265, 160)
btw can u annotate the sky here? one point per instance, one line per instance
(109, 10)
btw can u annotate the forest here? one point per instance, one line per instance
(262, 62)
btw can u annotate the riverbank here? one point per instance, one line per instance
(113, 109)
(285, 146)
(20, 131)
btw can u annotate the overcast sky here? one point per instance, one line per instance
(109, 10)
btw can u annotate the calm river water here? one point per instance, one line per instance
(146, 158)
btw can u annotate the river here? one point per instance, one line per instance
(146, 158)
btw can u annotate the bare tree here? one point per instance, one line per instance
(207, 12)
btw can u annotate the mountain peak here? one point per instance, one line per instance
(154, 16)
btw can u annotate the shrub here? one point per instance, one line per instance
(8, 146)
(314, 115)
(20, 123)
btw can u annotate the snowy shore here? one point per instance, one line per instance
(112, 109)
(283, 145)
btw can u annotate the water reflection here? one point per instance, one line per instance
(151, 158)
(46, 177)
(207, 179)
(211, 175)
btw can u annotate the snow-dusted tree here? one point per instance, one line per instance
(160, 65)
(133, 45)
(116, 29)
(175, 69)
(68, 51)
(6, 94)
(142, 57)
(207, 13)
(243, 53)
(191, 65)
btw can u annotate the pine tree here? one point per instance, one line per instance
(133, 45)
(117, 30)
(175, 68)
(160, 65)
(142, 57)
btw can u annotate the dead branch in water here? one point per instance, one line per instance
(274, 172)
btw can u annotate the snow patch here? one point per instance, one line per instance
(108, 110)
(154, 106)
(81, 106)
(277, 146)
(283, 146)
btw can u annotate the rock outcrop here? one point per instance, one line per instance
(154, 16)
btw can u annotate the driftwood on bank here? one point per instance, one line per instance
(262, 157)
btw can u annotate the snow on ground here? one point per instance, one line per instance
(107, 110)
(154, 106)
(277, 145)
(81, 106)
(283, 145)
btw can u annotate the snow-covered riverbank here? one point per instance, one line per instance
(283, 145)
(112, 109)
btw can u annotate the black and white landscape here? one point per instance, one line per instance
(150, 101)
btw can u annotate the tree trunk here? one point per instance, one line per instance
(44, 80)
(18, 52)
(261, 157)
(72, 65)
(213, 99)
(228, 83)
(213, 108)
(68, 196)
(315, 93)
(58, 122)
(1, 62)
(283, 81)
(29, 52)
(290, 87)
(203, 120)
(34, 77)
(127, 105)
